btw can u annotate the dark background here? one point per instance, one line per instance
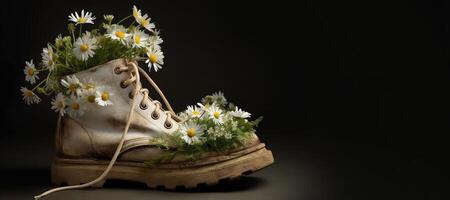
(354, 94)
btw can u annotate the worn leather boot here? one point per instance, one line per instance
(113, 142)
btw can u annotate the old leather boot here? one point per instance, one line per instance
(113, 143)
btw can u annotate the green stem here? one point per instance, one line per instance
(124, 19)
(73, 35)
(40, 83)
(81, 28)
(41, 70)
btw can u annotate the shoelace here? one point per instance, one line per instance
(134, 71)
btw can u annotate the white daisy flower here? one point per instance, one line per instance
(84, 18)
(194, 111)
(191, 133)
(75, 107)
(240, 113)
(139, 39)
(59, 104)
(84, 47)
(118, 32)
(47, 57)
(204, 107)
(90, 95)
(155, 59)
(219, 97)
(183, 115)
(215, 113)
(73, 85)
(143, 20)
(155, 42)
(31, 74)
(103, 96)
(29, 96)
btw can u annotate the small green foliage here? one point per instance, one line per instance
(234, 131)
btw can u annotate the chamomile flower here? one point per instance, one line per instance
(29, 96)
(139, 39)
(75, 107)
(143, 20)
(204, 107)
(89, 92)
(31, 74)
(219, 97)
(59, 104)
(84, 18)
(73, 85)
(118, 32)
(84, 47)
(215, 113)
(155, 59)
(104, 96)
(194, 111)
(89, 95)
(155, 42)
(48, 58)
(191, 133)
(240, 113)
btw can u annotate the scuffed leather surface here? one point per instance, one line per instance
(96, 134)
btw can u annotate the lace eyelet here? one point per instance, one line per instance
(130, 95)
(143, 106)
(122, 84)
(155, 115)
(117, 70)
(167, 125)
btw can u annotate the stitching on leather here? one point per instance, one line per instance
(88, 133)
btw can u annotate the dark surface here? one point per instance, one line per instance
(354, 94)
(306, 167)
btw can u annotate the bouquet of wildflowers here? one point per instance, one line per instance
(83, 48)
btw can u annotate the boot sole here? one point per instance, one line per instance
(74, 172)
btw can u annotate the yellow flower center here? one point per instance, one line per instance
(91, 98)
(153, 58)
(82, 20)
(191, 132)
(28, 93)
(72, 87)
(105, 96)
(60, 104)
(216, 115)
(75, 106)
(120, 34)
(30, 71)
(135, 13)
(195, 112)
(84, 48)
(137, 39)
(144, 22)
